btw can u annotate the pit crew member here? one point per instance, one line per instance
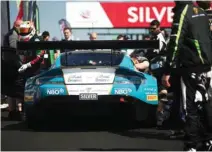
(189, 51)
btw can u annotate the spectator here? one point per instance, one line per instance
(46, 62)
(157, 35)
(67, 34)
(124, 37)
(93, 36)
(56, 52)
(189, 50)
(146, 37)
(120, 37)
(68, 37)
(45, 36)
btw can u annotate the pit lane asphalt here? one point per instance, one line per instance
(98, 135)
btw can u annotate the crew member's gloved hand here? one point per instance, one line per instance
(24, 67)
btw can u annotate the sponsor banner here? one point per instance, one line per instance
(89, 76)
(80, 89)
(118, 15)
(55, 91)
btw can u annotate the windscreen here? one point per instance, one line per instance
(91, 59)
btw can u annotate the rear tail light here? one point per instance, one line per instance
(122, 99)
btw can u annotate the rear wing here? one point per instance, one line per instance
(98, 44)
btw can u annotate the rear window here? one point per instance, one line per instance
(91, 59)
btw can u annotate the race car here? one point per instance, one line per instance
(79, 81)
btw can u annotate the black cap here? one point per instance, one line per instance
(45, 33)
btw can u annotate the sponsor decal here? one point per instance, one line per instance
(123, 91)
(28, 98)
(103, 78)
(74, 90)
(75, 78)
(85, 14)
(150, 89)
(88, 90)
(55, 91)
(98, 89)
(88, 76)
(152, 97)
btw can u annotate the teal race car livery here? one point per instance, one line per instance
(92, 76)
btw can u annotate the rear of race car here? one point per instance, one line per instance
(89, 85)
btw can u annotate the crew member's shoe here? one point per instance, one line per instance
(191, 150)
(207, 146)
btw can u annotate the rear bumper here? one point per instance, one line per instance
(71, 105)
(75, 99)
(72, 102)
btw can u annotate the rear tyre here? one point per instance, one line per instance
(150, 121)
(145, 114)
(33, 118)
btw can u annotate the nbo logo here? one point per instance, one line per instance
(123, 91)
(54, 91)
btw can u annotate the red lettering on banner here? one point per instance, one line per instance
(138, 14)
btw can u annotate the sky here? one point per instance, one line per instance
(52, 11)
